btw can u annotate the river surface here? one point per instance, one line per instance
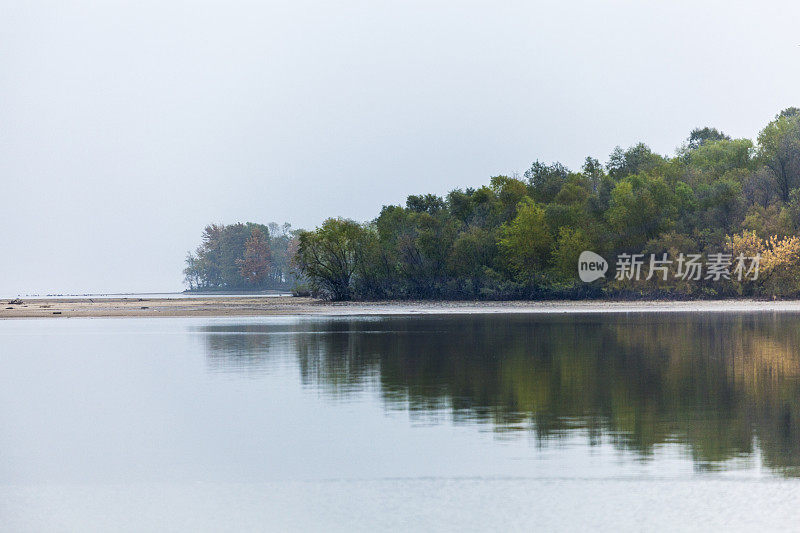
(678, 421)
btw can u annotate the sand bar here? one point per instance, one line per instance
(278, 306)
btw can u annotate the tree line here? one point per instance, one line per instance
(520, 236)
(242, 257)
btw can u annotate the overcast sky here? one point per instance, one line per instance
(125, 127)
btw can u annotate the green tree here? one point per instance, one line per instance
(472, 253)
(713, 159)
(544, 181)
(640, 209)
(593, 171)
(330, 255)
(509, 192)
(568, 247)
(525, 241)
(635, 160)
(779, 151)
(700, 136)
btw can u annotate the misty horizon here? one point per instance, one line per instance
(124, 130)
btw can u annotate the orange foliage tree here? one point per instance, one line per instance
(255, 264)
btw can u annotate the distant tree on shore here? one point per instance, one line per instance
(241, 257)
(255, 263)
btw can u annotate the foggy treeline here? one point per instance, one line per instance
(242, 256)
(520, 236)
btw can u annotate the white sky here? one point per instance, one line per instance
(125, 127)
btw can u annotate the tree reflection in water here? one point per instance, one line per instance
(721, 384)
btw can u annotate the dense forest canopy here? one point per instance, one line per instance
(521, 236)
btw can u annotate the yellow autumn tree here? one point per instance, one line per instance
(780, 266)
(746, 243)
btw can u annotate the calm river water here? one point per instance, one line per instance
(670, 421)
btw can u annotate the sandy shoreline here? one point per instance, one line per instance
(283, 306)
